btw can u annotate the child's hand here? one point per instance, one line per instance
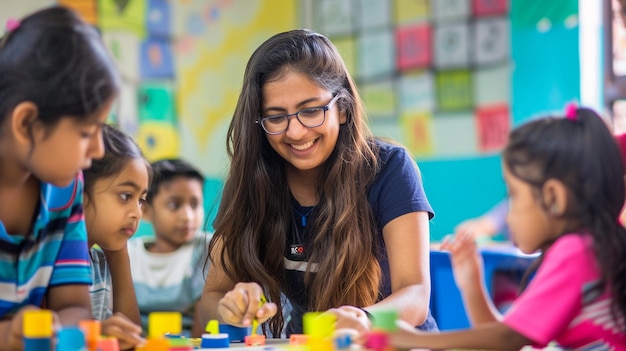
(127, 333)
(15, 339)
(352, 318)
(477, 227)
(241, 305)
(466, 261)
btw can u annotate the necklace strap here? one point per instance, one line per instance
(303, 216)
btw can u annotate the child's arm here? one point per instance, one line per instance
(197, 329)
(71, 302)
(125, 323)
(124, 298)
(468, 274)
(488, 336)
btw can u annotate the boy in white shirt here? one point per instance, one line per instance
(168, 269)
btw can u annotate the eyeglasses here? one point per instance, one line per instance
(309, 117)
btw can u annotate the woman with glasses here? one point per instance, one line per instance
(316, 214)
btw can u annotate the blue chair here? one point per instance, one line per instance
(445, 301)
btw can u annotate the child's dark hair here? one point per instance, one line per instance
(581, 153)
(167, 169)
(119, 148)
(59, 63)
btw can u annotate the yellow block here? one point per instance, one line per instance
(37, 324)
(161, 323)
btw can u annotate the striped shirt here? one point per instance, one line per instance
(53, 253)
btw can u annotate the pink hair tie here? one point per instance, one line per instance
(12, 24)
(570, 111)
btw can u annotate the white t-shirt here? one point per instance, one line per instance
(166, 282)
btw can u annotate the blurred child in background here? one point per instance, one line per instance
(168, 267)
(566, 187)
(57, 84)
(115, 191)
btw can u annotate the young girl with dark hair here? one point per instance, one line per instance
(115, 192)
(565, 180)
(57, 84)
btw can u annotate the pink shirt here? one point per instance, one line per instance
(558, 305)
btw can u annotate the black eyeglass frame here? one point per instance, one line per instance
(324, 108)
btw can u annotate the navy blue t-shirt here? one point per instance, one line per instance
(396, 191)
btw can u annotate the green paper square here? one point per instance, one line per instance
(454, 90)
(123, 14)
(156, 103)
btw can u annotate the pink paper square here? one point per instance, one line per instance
(489, 7)
(413, 47)
(493, 126)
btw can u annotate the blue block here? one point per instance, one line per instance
(235, 334)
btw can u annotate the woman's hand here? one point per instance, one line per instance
(350, 317)
(243, 304)
(127, 333)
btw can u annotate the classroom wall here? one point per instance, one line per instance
(447, 78)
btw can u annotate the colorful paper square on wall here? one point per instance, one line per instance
(493, 126)
(124, 46)
(492, 41)
(413, 47)
(493, 7)
(156, 59)
(159, 19)
(158, 140)
(451, 46)
(416, 92)
(449, 10)
(418, 133)
(376, 55)
(333, 17)
(411, 11)
(125, 109)
(124, 15)
(380, 100)
(454, 134)
(156, 103)
(87, 9)
(492, 85)
(372, 14)
(454, 90)
(347, 49)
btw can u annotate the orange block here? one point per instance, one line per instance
(254, 340)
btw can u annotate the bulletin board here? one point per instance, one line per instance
(446, 78)
(434, 75)
(182, 64)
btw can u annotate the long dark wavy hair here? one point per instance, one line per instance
(583, 155)
(255, 213)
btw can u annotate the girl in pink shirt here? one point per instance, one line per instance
(565, 179)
